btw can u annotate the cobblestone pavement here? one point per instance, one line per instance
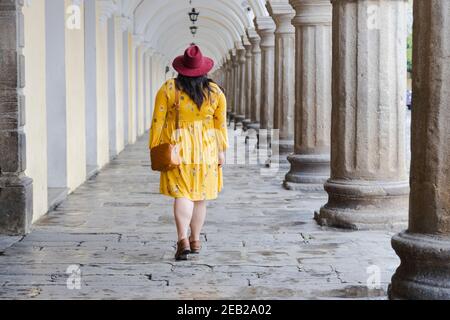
(260, 242)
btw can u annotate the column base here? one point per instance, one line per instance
(285, 149)
(231, 117)
(16, 205)
(308, 172)
(424, 272)
(253, 125)
(264, 138)
(239, 118)
(245, 124)
(305, 187)
(365, 205)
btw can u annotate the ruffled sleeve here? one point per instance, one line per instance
(220, 122)
(159, 117)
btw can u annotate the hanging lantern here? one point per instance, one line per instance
(194, 30)
(193, 15)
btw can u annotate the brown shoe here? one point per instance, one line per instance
(182, 250)
(196, 246)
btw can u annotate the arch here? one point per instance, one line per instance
(259, 7)
(148, 9)
(221, 40)
(214, 19)
(222, 23)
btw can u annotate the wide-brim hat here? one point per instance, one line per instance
(193, 63)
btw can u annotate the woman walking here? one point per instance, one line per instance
(190, 112)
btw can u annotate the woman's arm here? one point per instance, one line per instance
(220, 123)
(159, 117)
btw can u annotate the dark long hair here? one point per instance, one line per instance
(197, 88)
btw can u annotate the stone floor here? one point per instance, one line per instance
(260, 242)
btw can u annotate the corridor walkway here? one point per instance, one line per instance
(260, 242)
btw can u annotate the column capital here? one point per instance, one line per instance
(265, 26)
(252, 35)
(158, 55)
(282, 14)
(138, 39)
(151, 51)
(106, 9)
(238, 45)
(126, 23)
(241, 56)
(146, 45)
(233, 57)
(255, 40)
(229, 64)
(312, 12)
(247, 46)
(240, 52)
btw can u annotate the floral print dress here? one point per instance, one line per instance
(201, 136)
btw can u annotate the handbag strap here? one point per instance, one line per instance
(177, 108)
(177, 112)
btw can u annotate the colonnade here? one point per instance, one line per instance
(78, 79)
(349, 130)
(77, 85)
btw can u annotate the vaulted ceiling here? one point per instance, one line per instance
(164, 24)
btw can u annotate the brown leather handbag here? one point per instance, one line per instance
(166, 156)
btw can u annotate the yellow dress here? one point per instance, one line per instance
(202, 134)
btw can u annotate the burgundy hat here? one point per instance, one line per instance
(193, 63)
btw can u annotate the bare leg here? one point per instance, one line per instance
(198, 220)
(183, 209)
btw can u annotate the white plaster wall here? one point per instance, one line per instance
(147, 86)
(90, 19)
(102, 93)
(131, 90)
(126, 86)
(154, 77)
(75, 104)
(119, 82)
(35, 111)
(112, 88)
(136, 89)
(140, 92)
(56, 94)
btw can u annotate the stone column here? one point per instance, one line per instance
(225, 73)
(248, 81)
(310, 163)
(229, 82)
(240, 50)
(255, 101)
(282, 13)
(424, 249)
(15, 188)
(228, 86)
(234, 83)
(140, 89)
(368, 187)
(266, 28)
